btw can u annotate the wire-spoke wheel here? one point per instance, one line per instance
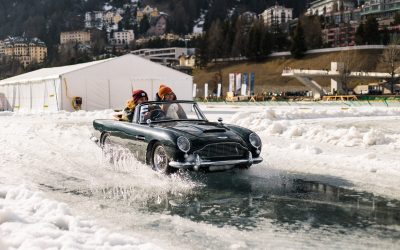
(159, 159)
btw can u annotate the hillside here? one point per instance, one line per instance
(268, 73)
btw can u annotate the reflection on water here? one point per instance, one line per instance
(242, 201)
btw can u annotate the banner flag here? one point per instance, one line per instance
(244, 85)
(219, 90)
(231, 82)
(194, 90)
(238, 82)
(205, 90)
(252, 83)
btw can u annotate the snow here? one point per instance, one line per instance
(47, 157)
(198, 27)
(28, 220)
(358, 144)
(107, 7)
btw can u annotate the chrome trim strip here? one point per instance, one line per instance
(218, 144)
(186, 165)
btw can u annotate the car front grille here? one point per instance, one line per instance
(222, 150)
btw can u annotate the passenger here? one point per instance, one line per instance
(172, 111)
(138, 96)
(157, 97)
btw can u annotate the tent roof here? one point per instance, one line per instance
(47, 73)
(146, 67)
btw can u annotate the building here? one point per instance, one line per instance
(347, 16)
(187, 60)
(380, 9)
(164, 55)
(276, 15)
(122, 37)
(146, 11)
(25, 50)
(103, 19)
(75, 37)
(340, 36)
(322, 7)
(1, 48)
(105, 84)
(94, 19)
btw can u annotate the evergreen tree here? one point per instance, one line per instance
(359, 36)
(267, 43)
(217, 10)
(280, 40)
(371, 31)
(313, 33)
(215, 40)
(299, 46)
(144, 25)
(127, 19)
(253, 50)
(229, 37)
(240, 40)
(202, 58)
(385, 36)
(396, 19)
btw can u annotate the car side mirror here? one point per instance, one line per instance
(148, 121)
(220, 120)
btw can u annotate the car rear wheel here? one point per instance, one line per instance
(160, 160)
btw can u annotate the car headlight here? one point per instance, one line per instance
(255, 140)
(183, 144)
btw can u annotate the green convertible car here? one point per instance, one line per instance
(176, 135)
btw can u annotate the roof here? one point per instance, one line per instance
(47, 73)
(144, 69)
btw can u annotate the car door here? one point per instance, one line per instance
(139, 140)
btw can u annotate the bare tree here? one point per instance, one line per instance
(345, 64)
(391, 59)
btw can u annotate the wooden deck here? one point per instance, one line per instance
(339, 98)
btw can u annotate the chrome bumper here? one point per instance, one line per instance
(198, 163)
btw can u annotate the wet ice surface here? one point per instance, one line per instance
(241, 209)
(239, 200)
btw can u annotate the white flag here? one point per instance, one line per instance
(238, 82)
(219, 90)
(194, 90)
(231, 82)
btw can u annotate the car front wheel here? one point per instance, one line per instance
(107, 148)
(160, 160)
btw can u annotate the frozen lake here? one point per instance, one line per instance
(329, 180)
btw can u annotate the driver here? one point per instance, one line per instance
(138, 96)
(174, 110)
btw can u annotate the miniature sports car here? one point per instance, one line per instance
(176, 135)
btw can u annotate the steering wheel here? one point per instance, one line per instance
(156, 115)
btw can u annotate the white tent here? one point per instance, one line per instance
(101, 85)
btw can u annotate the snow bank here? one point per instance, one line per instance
(285, 122)
(30, 221)
(357, 144)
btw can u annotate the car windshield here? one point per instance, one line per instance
(167, 111)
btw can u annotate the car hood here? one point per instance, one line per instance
(201, 129)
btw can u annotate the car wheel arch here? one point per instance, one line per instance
(103, 136)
